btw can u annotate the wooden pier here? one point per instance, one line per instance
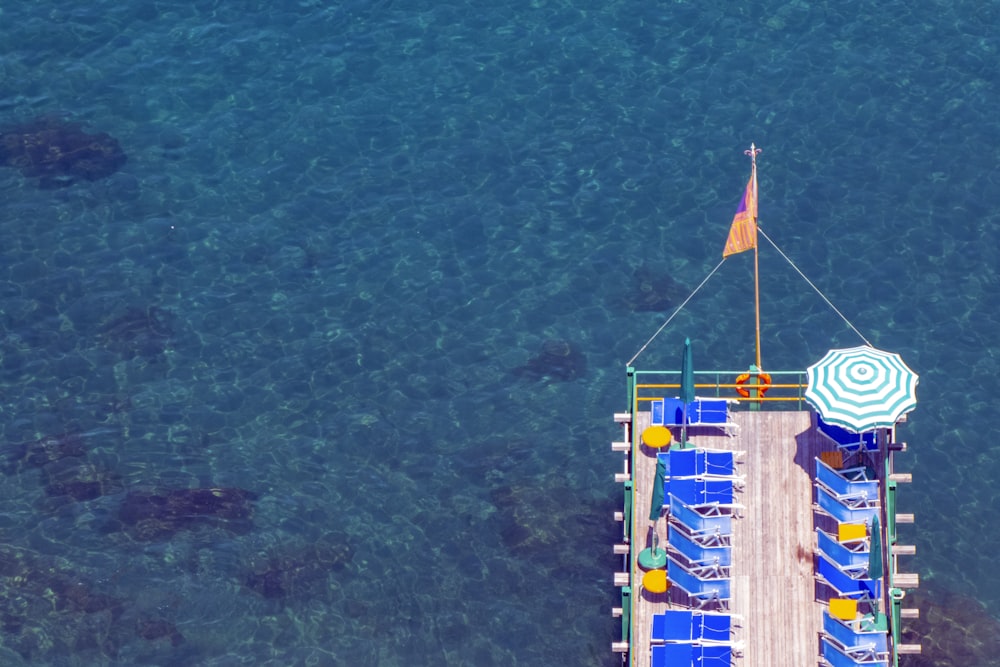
(774, 590)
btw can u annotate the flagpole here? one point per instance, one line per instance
(743, 236)
(753, 153)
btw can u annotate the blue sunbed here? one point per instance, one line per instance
(845, 439)
(843, 582)
(691, 627)
(716, 627)
(834, 657)
(861, 512)
(672, 655)
(684, 462)
(707, 524)
(687, 655)
(847, 555)
(849, 483)
(700, 412)
(674, 625)
(719, 464)
(702, 463)
(702, 490)
(855, 636)
(669, 412)
(707, 585)
(712, 412)
(699, 554)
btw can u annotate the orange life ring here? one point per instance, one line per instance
(763, 379)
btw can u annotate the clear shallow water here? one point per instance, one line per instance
(342, 228)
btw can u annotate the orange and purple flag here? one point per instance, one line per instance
(743, 233)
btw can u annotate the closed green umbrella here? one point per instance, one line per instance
(875, 569)
(653, 556)
(656, 504)
(687, 386)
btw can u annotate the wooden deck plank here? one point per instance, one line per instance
(772, 556)
(644, 604)
(773, 584)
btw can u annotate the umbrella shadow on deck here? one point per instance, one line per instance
(811, 444)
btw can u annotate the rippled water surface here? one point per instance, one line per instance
(313, 316)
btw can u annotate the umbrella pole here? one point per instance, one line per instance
(653, 557)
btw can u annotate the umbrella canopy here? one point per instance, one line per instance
(861, 388)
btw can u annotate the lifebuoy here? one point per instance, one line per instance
(764, 382)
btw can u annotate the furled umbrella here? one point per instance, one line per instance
(653, 556)
(875, 569)
(687, 386)
(861, 388)
(656, 503)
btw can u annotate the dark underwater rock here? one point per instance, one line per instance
(952, 630)
(294, 571)
(79, 480)
(59, 153)
(654, 291)
(149, 515)
(525, 529)
(152, 629)
(139, 332)
(558, 360)
(48, 612)
(43, 451)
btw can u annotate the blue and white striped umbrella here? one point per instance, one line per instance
(861, 388)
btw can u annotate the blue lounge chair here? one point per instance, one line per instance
(848, 555)
(719, 463)
(860, 510)
(847, 441)
(668, 412)
(856, 637)
(671, 655)
(846, 583)
(704, 585)
(713, 655)
(702, 490)
(684, 463)
(692, 627)
(847, 484)
(703, 463)
(674, 625)
(716, 628)
(688, 655)
(834, 657)
(701, 412)
(699, 554)
(707, 572)
(712, 412)
(706, 524)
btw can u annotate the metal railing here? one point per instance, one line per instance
(785, 391)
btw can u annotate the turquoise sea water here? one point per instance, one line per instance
(344, 230)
